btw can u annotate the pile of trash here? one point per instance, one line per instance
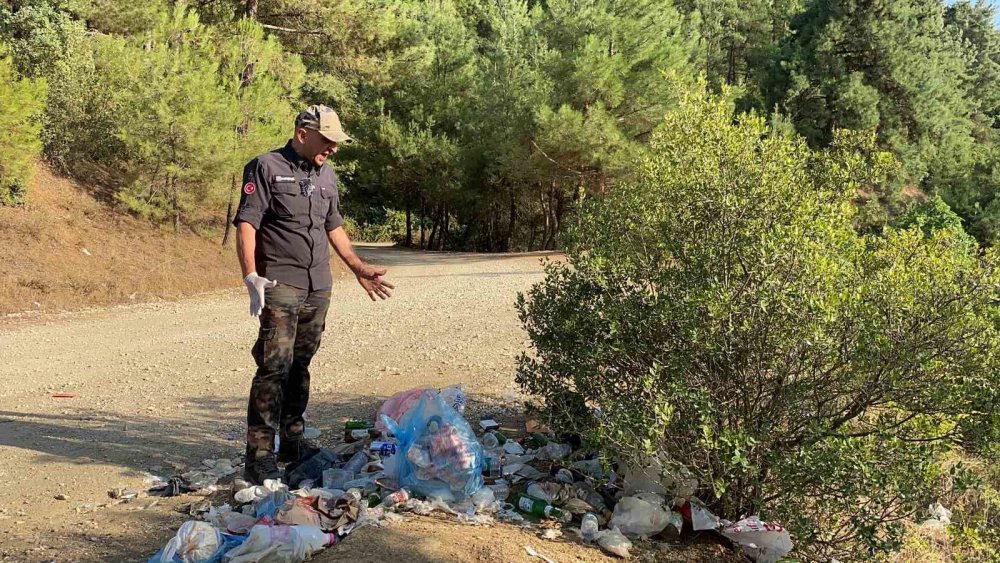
(422, 456)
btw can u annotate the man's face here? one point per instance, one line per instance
(315, 147)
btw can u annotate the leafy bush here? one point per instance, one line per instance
(384, 225)
(722, 314)
(21, 104)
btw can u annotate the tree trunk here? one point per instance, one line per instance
(250, 9)
(512, 220)
(444, 229)
(229, 210)
(731, 59)
(548, 223)
(550, 218)
(434, 227)
(423, 221)
(409, 225)
(176, 205)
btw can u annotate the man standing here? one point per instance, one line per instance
(289, 210)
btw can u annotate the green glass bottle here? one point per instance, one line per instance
(539, 507)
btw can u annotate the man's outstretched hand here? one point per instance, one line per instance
(371, 279)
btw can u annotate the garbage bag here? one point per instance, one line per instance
(399, 404)
(279, 544)
(438, 454)
(196, 542)
(764, 542)
(640, 516)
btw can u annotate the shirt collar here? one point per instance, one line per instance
(295, 159)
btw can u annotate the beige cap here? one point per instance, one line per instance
(324, 120)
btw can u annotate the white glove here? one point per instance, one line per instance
(255, 287)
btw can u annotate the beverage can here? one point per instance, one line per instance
(382, 448)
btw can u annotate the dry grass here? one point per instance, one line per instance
(65, 250)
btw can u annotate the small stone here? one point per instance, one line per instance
(61, 496)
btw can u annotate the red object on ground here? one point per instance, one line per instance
(685, 510)
(64, 395)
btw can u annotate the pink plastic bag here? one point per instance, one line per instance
(399, 404)
(396, 406)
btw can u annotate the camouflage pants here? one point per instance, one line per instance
(291, 325)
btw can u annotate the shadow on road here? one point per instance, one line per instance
(390, 256)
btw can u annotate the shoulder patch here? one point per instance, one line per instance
(249, 188)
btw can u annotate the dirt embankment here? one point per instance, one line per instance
(66, 250)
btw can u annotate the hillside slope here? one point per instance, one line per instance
(66, 250)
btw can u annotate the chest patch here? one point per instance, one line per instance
(284, 178)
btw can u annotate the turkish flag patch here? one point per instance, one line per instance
(249, 188)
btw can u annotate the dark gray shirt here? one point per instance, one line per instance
(291, 219)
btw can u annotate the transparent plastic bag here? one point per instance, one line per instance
(640, 515)
(280, 544)
(613, 541)
(196, 542)
(438, 454)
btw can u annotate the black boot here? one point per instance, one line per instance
(258, 469)
(295, 449)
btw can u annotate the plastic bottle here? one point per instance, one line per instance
(501, 490)
(493, 467)
(490, 441)
(539, 507)
(589, 527)
(357, 462)
(315, 538)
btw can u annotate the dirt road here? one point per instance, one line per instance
(162, 384)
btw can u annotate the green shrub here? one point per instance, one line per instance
(722, 314)
(21, 104)
(383, 225)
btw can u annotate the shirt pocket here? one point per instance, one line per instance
(285, 199)
(321, 204)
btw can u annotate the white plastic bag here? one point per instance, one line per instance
(764, 542)
(614, 542)
(641, 515)
(195, 541)
(279, 544)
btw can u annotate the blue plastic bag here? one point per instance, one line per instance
(438, 455)
(269, 505)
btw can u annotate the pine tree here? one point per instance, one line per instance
(181, 124)
(21, 103)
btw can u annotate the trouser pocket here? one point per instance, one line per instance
(264, 346)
